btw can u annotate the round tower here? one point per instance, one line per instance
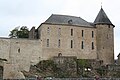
(104, 38)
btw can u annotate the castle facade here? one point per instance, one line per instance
(60, 35)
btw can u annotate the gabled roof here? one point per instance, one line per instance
(102, 18)
(68, 20)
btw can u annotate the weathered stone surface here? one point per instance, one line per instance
(83, 41)
(105, 43)
(20, 52)
(65, 38)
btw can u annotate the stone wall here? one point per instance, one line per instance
(105, 43)
(33, 33)
(20, 52)
(26, 52)
(66, 65)
(63, 33)
(4, 48)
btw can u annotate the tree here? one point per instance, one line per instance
(13, 33)
(19, 33)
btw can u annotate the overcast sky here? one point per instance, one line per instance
(14, 13)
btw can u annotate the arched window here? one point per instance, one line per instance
(59, 54)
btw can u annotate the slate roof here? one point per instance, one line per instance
(69, 20)
(102, 18)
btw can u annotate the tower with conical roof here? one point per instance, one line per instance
(104, 38)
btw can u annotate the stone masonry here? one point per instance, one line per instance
(60, 34)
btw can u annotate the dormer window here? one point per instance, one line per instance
(70, 21)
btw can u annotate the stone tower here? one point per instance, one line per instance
(104, 38)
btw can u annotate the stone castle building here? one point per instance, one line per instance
(60, 34)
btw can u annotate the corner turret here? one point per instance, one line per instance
(104, 38)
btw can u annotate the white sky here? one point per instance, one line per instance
(14, 13)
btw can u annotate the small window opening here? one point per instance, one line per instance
(82, 45)
(71, 32)
(19, 50)
(108, 26)
(48, 30)
(92, 45)
(82, 33)
(59, 43)
(92, 34)
(47, 42)
(59, 31)
(71, 43)
(59, 54)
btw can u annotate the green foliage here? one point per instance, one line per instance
(83, 63)
(102, 70)
(116, 74)
(46, 65)
(66, 70)
(13, 33)
(49, 68)
(22, 33)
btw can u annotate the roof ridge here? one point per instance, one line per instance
(65, 15)
(67, 19)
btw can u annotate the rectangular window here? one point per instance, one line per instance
(92, 45)
(92, 34)
(59, 43)
(48, 30)
(108, 26)
(71, 43)
(82, 45)
(59, 31)
(71, 32)
(47, 42)
(82, 33)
